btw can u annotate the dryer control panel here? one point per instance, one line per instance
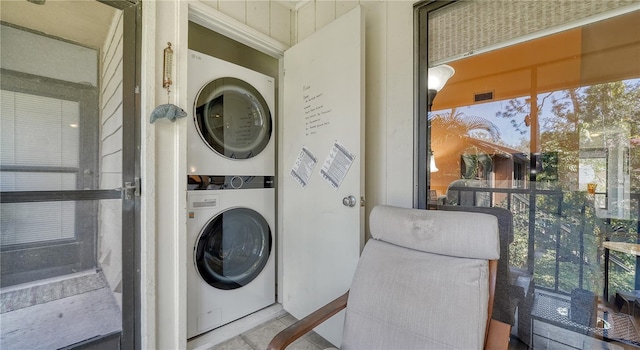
(236, 182)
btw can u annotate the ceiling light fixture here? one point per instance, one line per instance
(437, 77)
(432, 163)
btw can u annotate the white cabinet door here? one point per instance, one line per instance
(323, 154)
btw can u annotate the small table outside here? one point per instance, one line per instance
(627, 248)
(555, 310)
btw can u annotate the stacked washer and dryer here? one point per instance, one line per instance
(230, 193)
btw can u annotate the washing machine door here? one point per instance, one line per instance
(233, 118)
(233, 248)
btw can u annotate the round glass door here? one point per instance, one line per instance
(233, 248)
(233, 118)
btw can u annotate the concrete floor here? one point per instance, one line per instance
(57, 322)
(259, 337)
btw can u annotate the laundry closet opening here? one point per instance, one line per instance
(231, 169)
(217, 45)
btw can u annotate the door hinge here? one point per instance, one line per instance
(131, 189)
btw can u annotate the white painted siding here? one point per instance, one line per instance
(305, 22)
(110, 211)
(266, 16)
(255, 17)
(280, 23)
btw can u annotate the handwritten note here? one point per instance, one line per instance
(316, 110)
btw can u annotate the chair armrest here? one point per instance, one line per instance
(493, 272)
(300, 328)
(499, 333)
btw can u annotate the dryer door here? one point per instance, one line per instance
(233, 118)
(233, 248)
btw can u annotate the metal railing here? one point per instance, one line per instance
(565, 214)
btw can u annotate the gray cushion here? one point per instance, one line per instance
(471, 235)
(407, 299)
(504, 308)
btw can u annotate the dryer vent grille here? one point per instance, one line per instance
(483, 96)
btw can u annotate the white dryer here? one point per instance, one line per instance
(231, 131)
(231, 259)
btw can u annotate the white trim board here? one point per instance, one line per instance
(219, 22)
(294, 4)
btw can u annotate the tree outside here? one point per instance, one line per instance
(586, 135)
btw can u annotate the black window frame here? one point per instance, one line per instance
(421, 127)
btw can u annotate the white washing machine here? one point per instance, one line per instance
(231, 259)
(231, 131)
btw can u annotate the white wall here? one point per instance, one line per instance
(266, 16)
(389, 131)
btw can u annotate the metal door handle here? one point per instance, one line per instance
(349, 201)
(130, 189)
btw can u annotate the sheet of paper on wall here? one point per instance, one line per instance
(337, 165)
(303, 167)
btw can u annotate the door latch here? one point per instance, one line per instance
(131, 189)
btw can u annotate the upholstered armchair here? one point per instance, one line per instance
(425, 280)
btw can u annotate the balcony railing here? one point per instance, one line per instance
(561, 233)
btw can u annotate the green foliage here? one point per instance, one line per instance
(584, 109)
(565, 226)
(454, 125)
(621, 280)
(568, 235)
(518, 248)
